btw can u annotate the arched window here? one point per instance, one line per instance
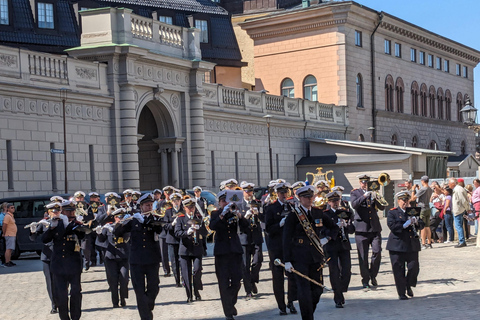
(447, 145)
(389, 93)
(463, 147)
(414, 141)
(394, 140)
(440, 99)
(288, 88)
(415, 98)
(448, 105)
(459, 106)
(423, 99)
(310, 88)
(399, 90)
(359, 82)
(433, 145)
(361, 137)
(431, 99)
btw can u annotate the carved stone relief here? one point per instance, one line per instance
(86, 73)
(8, 60)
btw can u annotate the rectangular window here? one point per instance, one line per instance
(446, 65)
(358, 38)
(203, 26)
(388, 47)
(4, 12)
(53, 167)
(206, 77)
(422, 57)
(398, 50)
(413, 55)
(165, 19)
(9, 165)
(457, 70)
(45, 15)
(465, 71)
(430, 61)
(439, 63)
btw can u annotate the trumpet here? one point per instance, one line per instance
(194, 223)
(45, 222)
(342, 215)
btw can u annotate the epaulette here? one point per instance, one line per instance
(181, 215)
(354, 189)
(393, 209)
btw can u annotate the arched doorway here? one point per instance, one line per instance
(158, 149)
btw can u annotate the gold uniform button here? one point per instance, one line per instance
(63, 256)
(229, 237)
(143, 239)
(144, 246)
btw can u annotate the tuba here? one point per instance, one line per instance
(383, 180)
(164, 207)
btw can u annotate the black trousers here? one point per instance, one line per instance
(164, 255)
(252, 263)
(174, 260)
(340, 268)
(117, 278)
(308, 292)
(399, 260)
(228, 269)
(61, 283)
(364, 240)
(146, 293)
(278, 281)
(49, 282)
(189, 277)
(88, 247)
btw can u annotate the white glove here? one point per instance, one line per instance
(406, 224)
(226, 209)
(174, 222)
(109, 227)
(367, 194)
(80, 218)
(282, 222)
(44, 222)
(54, 223)
(341, 223)
(196, 227)
(138, 216)
(99, 230)
(33, 229)
(414, 220)
(248, 214)
(190, 230)
(323, 241)
(288, 267)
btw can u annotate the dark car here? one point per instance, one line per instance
(207, 194)
(259, 192)
(27, 210)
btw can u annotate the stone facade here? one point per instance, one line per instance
(321, 41)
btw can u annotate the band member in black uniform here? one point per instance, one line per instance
(403, 245)
(66, 261)
(203, 204)
(116, 259)
(104, 215)
(275, 216)
(367, 231)
(134, 204)
(37, 229)
(231, 184)
(144, 256)
(338, 249)
(297, 185)
(303, 252)
(79, 196)
(251, 239)
(170, 220)
(191, 232)
(88, 243)
(228, 253)
(167, 191)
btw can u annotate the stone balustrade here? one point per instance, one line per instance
(226, 98)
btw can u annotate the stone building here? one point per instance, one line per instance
(328, 52)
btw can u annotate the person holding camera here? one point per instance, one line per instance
(403, 246)
(228, 252)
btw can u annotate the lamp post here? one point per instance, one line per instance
(469, 115)
(268, 118)
(63, 97)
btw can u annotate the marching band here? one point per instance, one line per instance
(305, 227)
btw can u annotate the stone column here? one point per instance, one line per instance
(129, 149)
(164, 164)
(175, 174)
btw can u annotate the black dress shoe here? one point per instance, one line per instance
(166, 275)
(53, 311)
(403, 297)
(234, 311)
(87, 266)
(254, 288)
(338, 305)
(374, 282)
(116, 306)
(248, 296)
(178, 285)
(123, 303)
(291, 307)
(198, 297)
(189, 300)
(409, 292)
(230, 318)
(283, 312)
(365, 286)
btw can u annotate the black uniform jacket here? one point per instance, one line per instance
(187, 245)
(169, 217)
(226, 236)
(160, 203)
(297, 245)
(400, 239)
(118, 248)
(273, 215)
(144, 247)
(65, 260)
(250, 233)
(338, 243)
(366, 216)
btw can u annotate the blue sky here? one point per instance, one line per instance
(458, 20)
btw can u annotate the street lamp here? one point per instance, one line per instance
(268, 119)
(63, 97)
(469, 116)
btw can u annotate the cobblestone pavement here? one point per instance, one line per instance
(449, 285)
